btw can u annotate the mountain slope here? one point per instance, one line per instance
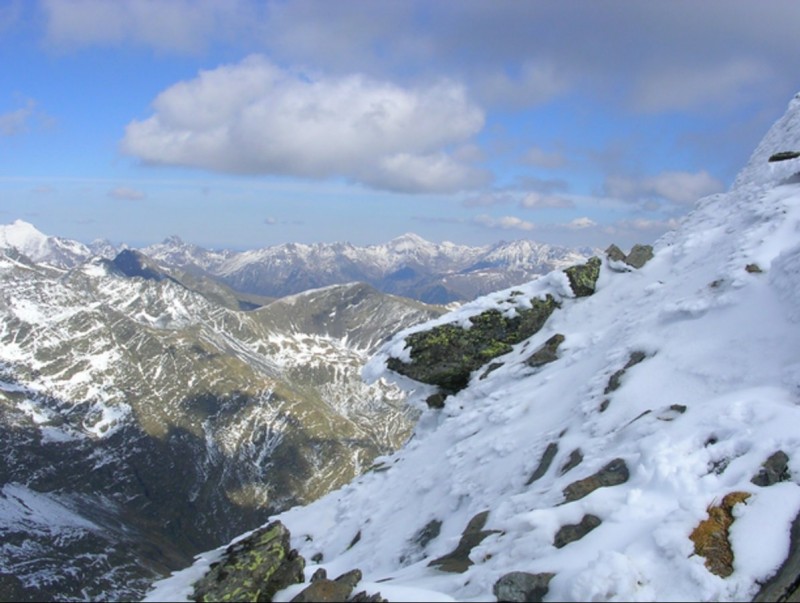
(642, 445)
(142, 422)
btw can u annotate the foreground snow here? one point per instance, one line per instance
(716, 313)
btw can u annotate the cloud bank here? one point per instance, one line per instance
(257, 118)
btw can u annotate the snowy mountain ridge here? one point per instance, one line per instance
(640, 446)
(407, 265)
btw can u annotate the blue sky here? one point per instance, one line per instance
(245, 124)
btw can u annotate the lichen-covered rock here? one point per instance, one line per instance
(522, 586)
(583, 277)
(710, 537)
(254, 568)
(458, 560)
(612, 474)
(575, 531)
(447, 354)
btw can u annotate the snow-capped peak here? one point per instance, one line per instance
(25, 238)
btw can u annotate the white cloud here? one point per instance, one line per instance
(677, 187)
(16, 122)
(254, 117)
(581, 223)
(126, 193)
(536, 200)
(504, 222)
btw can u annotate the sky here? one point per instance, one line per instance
(714, 395)
(244, 124)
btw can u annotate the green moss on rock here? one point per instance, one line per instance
(583, 277)
(447, 354)
(254, 568)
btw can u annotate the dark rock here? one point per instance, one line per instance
(319, 574)
(436, 400)
(583, 277)
(753, 268)
(544, 463)
(575, 458)
(323, 590)
(639, 255)
(363, 597)
(254, 568)
(522, 586)
(458, 560)
(615, 254)
(576, 531)
(493, 366)
(775, 469)
(355, 540)
(604, 405)
(612, 474)
(614, 381)
(428, 533)
(784, 156)
(784, 585)
(547, 353)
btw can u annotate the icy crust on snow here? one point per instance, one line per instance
(714, 315)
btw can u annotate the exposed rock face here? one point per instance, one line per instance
(775, 469)
(710, 537)
(572, 532)
(447, 354)
(612, 474)
(638, 256)
(253, 569)
(458, 560)
(547, 353)
(583, 277)
(519, 587)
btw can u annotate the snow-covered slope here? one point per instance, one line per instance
(674, 385)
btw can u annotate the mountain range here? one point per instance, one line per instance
(614, 431)
(408, 265)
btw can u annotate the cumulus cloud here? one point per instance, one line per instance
(504, 222)
(125, 193)
(677, 187)
(255, 117)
